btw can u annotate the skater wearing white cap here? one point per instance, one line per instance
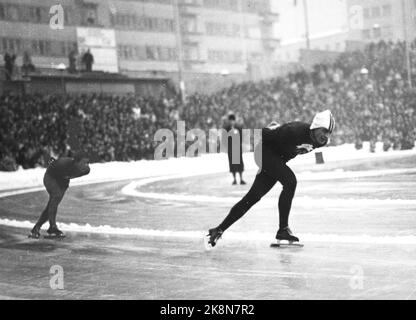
(279, 145)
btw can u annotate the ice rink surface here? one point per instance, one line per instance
(142, 238)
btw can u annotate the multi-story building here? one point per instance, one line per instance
(348, 24)
(374, 20)
(316, 25)
(217, 39)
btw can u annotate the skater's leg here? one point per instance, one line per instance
(53, 208)
(56, 190)
(45, 213)
(262, 184)
(288, 179)
(43, 217)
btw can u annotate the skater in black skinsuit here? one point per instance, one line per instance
(56, 181)
(278, 146)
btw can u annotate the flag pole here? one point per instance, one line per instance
(179, 49)
(406, 43)
(306, 16)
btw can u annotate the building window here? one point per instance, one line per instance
(366, 34)
(68, 14)
(189, 25)
(222, 30)
(377, 32)
(91, 17)
(126, 52)
(387, 10)
(150, 53)
(35, 15)
(4, 45)
(42, 48)
(13, 12)
(250, 5)
(173, 54)
(211, 29)
(140, 53)
(2, 11)
(190, 2)
(24, 13)
(222, 4)
(142, 23)
(387, 32)
(37, 47)
(220, 56)
(191, 53)
(375, 12)
(237, 56)
(235, 30)
(256, 56)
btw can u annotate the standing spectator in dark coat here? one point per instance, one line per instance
(235, 145)
(27, 65)
(9, 61)
(72, 57)
(88, 60)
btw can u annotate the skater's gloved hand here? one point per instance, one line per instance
(84, 166)
(304, 148)
(80, 168)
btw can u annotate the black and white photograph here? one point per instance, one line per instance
(206, 155)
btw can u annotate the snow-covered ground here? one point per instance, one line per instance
(206, 164)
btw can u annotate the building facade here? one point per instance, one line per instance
(375, 20)
(322, 22)
(200, 39)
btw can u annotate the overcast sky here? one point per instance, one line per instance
(325, 16)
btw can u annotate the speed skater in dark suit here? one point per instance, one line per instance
(56, 181)
(279, 145)
(235, 150)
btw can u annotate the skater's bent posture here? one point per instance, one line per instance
(56, 181)
(278, 146)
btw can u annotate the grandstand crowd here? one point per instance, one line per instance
(367, 91)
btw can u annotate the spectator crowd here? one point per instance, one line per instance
(367, 91)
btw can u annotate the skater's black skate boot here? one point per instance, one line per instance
(234, 182)
(243, 183)
(54, 232)
(213, 236)
(286, 234)
(35, 233)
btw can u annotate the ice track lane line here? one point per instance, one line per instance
(131, 189)
(231, 236)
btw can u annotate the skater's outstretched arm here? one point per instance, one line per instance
(69, 168)
(80, 168)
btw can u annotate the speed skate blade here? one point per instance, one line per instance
(54, 237)
(207, 246)
(286, 244)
